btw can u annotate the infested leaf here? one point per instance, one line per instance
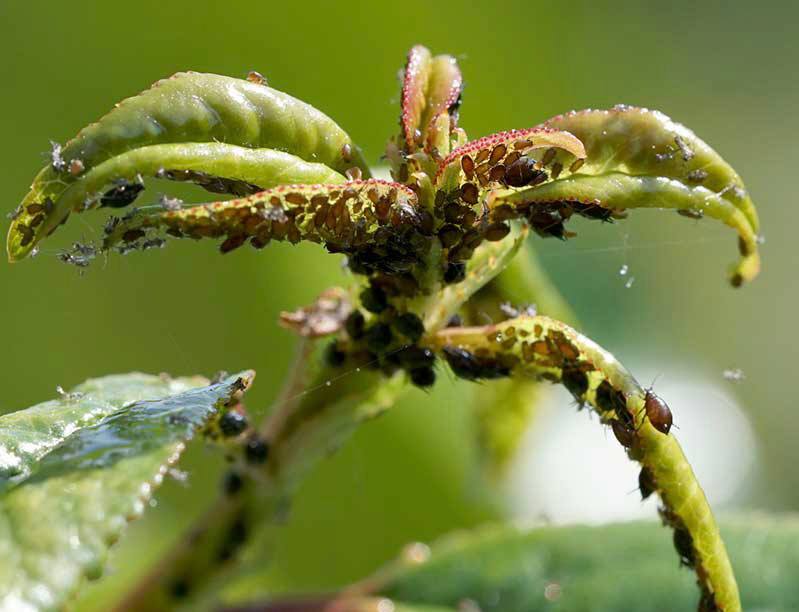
(637, 158)
(74, 471)
(187, 109)
(543, 348)
(351, 217)
(476, 160)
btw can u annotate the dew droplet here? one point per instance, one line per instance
(623, 270)
(629, 282)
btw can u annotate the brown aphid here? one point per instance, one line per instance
(346, 152)
(469, 193)
(646, 483)
(132, 235)
(497, 153)
(34, 209)
(556, 169)
(467, 164)
(27, 234)
(624, 434)
(691, 213)
(76, 167)
(481, 156)
(684, 545)
(576, 165)
(256, 77)
(604, 396)
(548, 157)
(496, 232)
(523, 172)
(354, 173)
(497, 174)
(658, 412)
(743, 247)
(232, 242)
(576, 381)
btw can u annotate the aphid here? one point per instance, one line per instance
(697, 176)
(455, 321)
(346, 152)
(523, 172)
(120, 196)
(469, 193)
(256, 77)
(238, 386)
(334, 356)
(231, 243)
(691, 213)
(232, 482)
(604, 396)
(354, 324)
(624, 434)
(646, 483)
(75, 167)
(576, 165)
(467, 164)
(415, 357)
(379, 337)
(576, 381)
(256, 450)
(455, 272)
(423, 377)
(496, 232)
(548, 157)
(232, 423)
(410, 326)
(548, 224)
(374, 299)
(658, 412)
(449, 235)
(684, 545)
(467, 365)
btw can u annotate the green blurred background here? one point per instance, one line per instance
(727, 70)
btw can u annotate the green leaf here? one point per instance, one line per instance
(163, 129)
(75, 470)
(618, 568)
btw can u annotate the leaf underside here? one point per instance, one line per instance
(75, 470)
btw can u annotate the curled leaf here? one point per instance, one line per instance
(546, 349)
(186, 109)
(637, 158)
(431, 89)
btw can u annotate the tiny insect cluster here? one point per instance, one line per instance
(419, 246)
